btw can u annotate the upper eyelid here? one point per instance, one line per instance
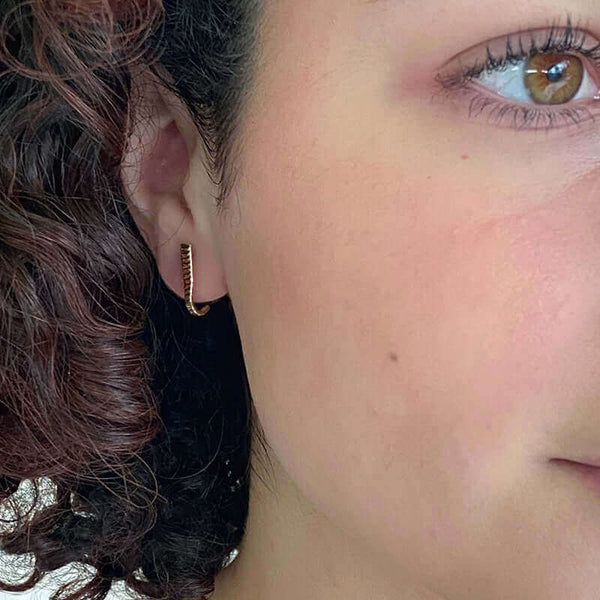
(589, 39)
(470, 63)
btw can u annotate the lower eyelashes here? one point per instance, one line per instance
(496, 111)
(537, 81)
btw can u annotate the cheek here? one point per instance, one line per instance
(495, 325)
(393, 346)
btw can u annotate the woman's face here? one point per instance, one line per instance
(416, 279)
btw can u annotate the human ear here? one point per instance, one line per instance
(169, 190)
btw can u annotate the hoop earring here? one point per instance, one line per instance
(188, 281)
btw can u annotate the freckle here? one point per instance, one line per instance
(393, 356)
(464, 156)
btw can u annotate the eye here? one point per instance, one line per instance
(546, 79)
(551, 77)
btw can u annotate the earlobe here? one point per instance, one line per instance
(166, 206)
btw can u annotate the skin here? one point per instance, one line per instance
(418, 301)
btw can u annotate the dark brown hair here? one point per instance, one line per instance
(138, 413)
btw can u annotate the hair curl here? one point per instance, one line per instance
(147, 451)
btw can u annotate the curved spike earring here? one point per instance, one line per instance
(188, 281)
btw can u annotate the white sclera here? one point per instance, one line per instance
(511, 84)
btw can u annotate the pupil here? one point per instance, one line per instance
(555, 72)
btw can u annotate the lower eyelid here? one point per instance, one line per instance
(478, 104)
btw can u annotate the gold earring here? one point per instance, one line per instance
(188, 281)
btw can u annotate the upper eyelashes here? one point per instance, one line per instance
(551, 75)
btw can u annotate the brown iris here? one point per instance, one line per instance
(553, 78)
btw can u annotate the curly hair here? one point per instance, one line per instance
(148, 453)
